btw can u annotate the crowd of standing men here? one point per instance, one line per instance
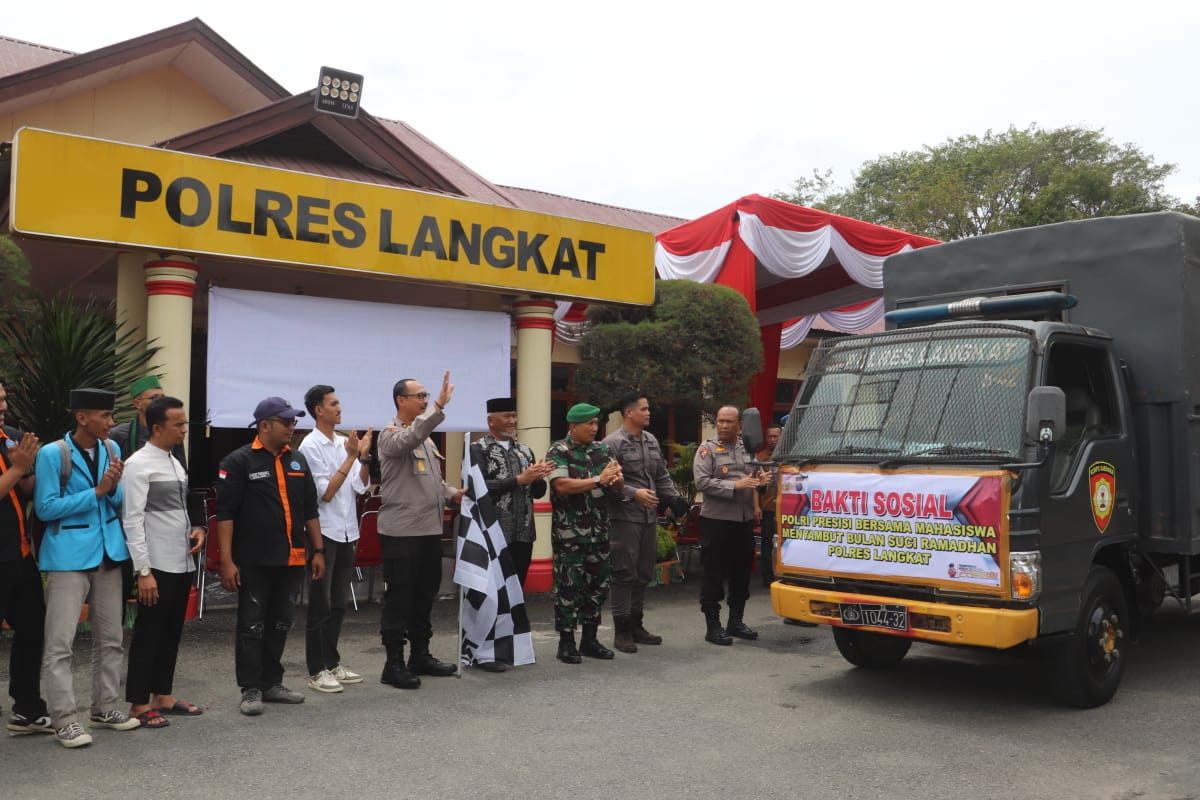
(115, 516)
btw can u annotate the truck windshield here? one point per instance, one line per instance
(933, 394)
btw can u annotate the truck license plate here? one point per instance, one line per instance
(892, 616)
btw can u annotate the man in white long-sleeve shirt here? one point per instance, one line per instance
(162, 540)
(339, 466)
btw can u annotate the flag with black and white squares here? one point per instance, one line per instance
(494, 625)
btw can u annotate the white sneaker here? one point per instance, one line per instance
(324, 681)
(73, 735)
(343, 675)
(115, 720)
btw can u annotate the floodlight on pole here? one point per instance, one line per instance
(338, 92)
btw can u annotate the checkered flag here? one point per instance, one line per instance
(493, 624)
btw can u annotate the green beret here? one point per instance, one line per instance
(582, 412)
(139, 386)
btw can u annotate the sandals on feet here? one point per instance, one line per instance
(152, 719)
(182, 708)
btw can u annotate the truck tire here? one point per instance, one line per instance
(1088, 666)
(870, 650)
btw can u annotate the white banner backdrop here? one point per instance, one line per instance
(262, 344)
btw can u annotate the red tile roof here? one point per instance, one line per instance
(574, 208)
(18, 56)
(472, 184)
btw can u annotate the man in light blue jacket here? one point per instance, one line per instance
(82, 552)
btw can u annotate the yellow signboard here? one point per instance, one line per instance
(73, 187)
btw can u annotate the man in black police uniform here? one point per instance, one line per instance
(22, 604)
(266, 504)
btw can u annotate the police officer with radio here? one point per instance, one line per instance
(729, 481)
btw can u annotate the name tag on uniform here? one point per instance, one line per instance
(258, 476)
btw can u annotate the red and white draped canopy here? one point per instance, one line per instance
(793, 264)
(796, 266)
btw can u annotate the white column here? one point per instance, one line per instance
(535, 341)
(131, 291)
(170, 287)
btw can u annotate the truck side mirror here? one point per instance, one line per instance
(752, 431)
(1045, 414)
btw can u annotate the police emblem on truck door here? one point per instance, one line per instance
(1102, 480)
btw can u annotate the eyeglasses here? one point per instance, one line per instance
(287, 423)
(418, 395)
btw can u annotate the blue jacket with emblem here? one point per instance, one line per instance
(80, 527)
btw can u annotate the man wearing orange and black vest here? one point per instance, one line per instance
(266, 506)
(22, 604)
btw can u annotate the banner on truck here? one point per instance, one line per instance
(944, 530)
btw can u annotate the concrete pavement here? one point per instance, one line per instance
(782, 717)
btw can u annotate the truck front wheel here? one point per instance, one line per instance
(1089, 665)
(870, 650)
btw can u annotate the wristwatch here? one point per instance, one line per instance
(596, 478)
(144, 572)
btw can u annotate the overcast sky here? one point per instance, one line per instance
(680, 107)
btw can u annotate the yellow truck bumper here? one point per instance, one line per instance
(999, 628)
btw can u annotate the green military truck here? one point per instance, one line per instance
(1015, 461)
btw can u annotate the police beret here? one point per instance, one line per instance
(582, 412)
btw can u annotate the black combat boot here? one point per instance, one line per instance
(715, 634)
(738, 628)
(394, 671)
(640, 634)
(623, 638)
(422, 663)
(567, 653)
(590, 646)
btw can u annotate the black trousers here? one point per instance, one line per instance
(522, 555)
(23, 607)
(154, 648)
(727, 554)
(264, 617)
(412, 574)
(327, 601)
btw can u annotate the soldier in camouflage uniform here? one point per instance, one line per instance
(584, 474)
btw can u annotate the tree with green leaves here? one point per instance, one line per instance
(62, 345)
(697, 346)
(15, 291)
(973, 185)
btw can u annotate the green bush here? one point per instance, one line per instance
(664, 545)
(681, 470)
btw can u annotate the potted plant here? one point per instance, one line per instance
(666, 556)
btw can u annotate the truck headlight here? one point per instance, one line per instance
(1025, 575)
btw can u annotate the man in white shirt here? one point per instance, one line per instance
(163, 538)
(340, 468)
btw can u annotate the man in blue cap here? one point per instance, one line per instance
(266, 513)
(584, 476)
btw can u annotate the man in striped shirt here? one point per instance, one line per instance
(162, 542)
